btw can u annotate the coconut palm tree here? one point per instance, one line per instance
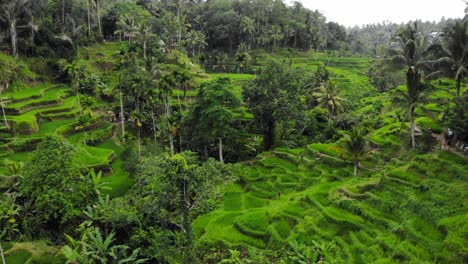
(248, 26)
(328, 97)
(166, 84)
(145, 34)
(10, 13)
(128, 28)
(276, 35)
(453, 57)
(200, 38)
(75, 72)
(356, 146)
(410, 55)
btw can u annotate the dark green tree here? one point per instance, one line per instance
(274, 95)
(210, 116)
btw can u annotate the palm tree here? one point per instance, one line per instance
(454, 56)
(127, 27)
(275, 35)
(328, 97)
(220, 61)
(410, 56)
(356, 145)
(200, 40)
(248, 26)
(145, 34)
(410, 98)
(10, 13)
(166, 84)
(191, 41)
(75, 72)
(243, 59)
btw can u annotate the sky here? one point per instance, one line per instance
(360, 12)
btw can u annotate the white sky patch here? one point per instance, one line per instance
(360, 12)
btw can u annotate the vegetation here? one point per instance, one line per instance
(229, 132)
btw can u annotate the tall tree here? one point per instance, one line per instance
(210, 115)
(355, 144)
(10, 13)
(273, 96)
(166, 84)
(248, 26)
(453, 56)
(328, 97)
(75, 73)
(411, 55)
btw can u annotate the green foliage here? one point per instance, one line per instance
(54, 187)
(272, 97)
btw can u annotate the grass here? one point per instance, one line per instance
(369, 220)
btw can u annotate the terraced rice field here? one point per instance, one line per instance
(51, 109)
(307, 195)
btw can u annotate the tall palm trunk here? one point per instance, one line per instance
(89, 17)
(356, 167)
(171, 136)
(458, 85)
(79, 101)
(413, 142)
(14, 38)
(122, 117)
(139, 142)
(221, 159)
(1, 253)
(63, 14)
(154, 125)
(3, 111)
(98, 9)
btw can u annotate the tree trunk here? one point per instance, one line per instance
(269, 136)
(221, 159)
(179, 30)
(458, 85)
(63, 14)
(99, 17)
(89, 18)
(3, 111)
(413, 142)
(356, 167)
(79, 102)
(168, 114)
(171, 142)
(144, 49)
(154, 124)
(122, 117)
(14, 36)
(139, 142)
(1, 253)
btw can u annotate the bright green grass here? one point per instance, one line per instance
(119, 181)
(21, 94)
(370, 220)
(50, 94)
